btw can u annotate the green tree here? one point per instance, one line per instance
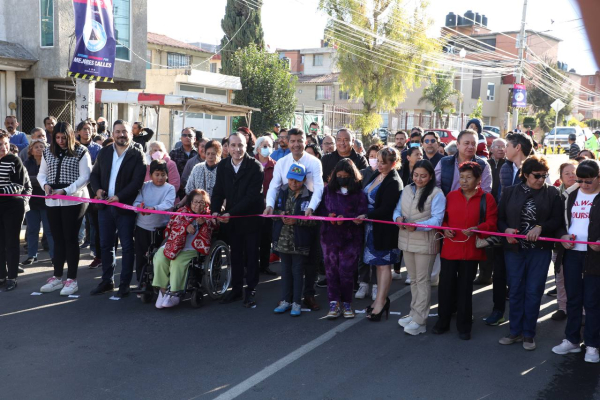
(439, 94)
(267, 84)
(382, 52)
(529, 122)
(242, 26)
(541, 102)
(478, 110)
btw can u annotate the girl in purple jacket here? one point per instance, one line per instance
(342, 242)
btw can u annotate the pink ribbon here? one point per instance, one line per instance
(298, 217)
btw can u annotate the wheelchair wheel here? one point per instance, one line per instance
(217, 270)
(197, 298)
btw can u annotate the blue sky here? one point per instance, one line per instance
(298, 24)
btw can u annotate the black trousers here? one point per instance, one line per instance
(92, 212)
(65, 222)
(11, 219)
(456, 289)
(314, 262)
(244, 254)
(499, 282)
(143, 240)
(266, 238)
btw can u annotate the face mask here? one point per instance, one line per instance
(265, 151)
(343, 182)
(373, 162)
(415, 144)
(157, 155)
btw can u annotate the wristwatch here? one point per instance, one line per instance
(538, 226)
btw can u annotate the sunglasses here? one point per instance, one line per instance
(580, 181)
(313, 129)
(540, 176)
(429, 141)
(186, 135)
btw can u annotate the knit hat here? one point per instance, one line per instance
(297, 172)
(477, 122)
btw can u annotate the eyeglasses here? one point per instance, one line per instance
(580, 181)
(540, 176)
(198, 203)
(313, 129)
(429, 141)
(188, 135)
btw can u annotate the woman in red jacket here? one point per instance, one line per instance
(468, 208)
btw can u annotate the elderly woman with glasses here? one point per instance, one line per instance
(534, 209)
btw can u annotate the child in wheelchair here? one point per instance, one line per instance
(186, 237)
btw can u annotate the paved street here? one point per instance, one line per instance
(96, 348)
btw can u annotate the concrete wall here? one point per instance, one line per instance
(160, 56)
(327, 68)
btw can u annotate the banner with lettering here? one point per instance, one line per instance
(95, 46)
(519, 95)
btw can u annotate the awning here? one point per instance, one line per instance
(180, 103)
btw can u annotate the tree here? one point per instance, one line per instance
(382, 52)
(439, 94)
(267, 84)
(539, 99)
(242, 26)
(478, 110)
(529, 122)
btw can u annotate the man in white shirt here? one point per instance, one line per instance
(314, 183)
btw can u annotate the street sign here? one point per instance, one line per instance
(557, 105)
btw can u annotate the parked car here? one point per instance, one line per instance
(490, 128)
(490, 137)
(446, 135)
(560, 135)
(384, 134)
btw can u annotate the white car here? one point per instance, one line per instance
(560, 135)
(494, 129)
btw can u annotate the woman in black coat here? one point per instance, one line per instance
(381, 240)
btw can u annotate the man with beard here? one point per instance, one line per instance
(17, 138)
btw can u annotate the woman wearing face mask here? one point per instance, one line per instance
(157, 151)
(534, 209)
(342, 241)
(413, 155)
(262, 152)
(420, 202)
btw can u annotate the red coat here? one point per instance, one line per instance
(269, 168)
(176, 234)
(461, 213)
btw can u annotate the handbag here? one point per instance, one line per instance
(481, 243)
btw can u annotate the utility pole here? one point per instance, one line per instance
(518, 75)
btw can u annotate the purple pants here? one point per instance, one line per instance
(340, 265)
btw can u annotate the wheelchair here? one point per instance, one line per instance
(207, 274)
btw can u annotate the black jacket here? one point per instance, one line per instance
(386, 235)
(129, 179)
(144, 138)
(549, 212)
(241, 193)
(591, 264)
(433, 160)
(329, 162)
(495, 167)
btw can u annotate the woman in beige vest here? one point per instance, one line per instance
(423, 203)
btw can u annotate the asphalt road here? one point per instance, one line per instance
(96, 348)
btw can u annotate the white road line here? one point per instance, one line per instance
(296, 354)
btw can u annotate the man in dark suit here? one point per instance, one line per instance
(117, 176)
(239, 186)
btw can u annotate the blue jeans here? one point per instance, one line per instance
(526, 273)
(582, 291)
(112, 223)
(36, 218)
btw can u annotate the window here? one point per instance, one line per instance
(491, 92)
(149, 59)
(302, 60)
(476, 86)
(318, 60)
(591, 80)
(177, 60)
(344, 95)
(191, 88)
(591, 99)
(323, 92)
(218, 92)
(122, 22)
(46, 23)
(213, 68)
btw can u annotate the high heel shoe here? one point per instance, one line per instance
(377, 317)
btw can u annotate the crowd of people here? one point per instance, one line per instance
(371, 198)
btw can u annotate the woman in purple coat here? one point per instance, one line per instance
(342, 242)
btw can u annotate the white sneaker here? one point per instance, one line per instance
(591, 355)
(404, 321)
(52, 284)
(70, 287)
(363, 290)
(407, 281)
(396, 275)
(374, 292)
(566, 347)
(414, 329)
(170, 301)
(160, 300)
